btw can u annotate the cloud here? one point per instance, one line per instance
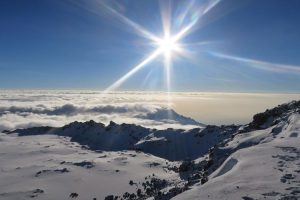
(22, 109)
(70, 109)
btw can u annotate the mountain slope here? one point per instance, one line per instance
(170, 144)
(48, 167)
(260, 160)
(260, 164)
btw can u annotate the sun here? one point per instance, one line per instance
(168, 45)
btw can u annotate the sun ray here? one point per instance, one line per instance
(168, 67)
(140, 30)
(134, 70)
(262, 65)
(181, 18)
(165, 11)
(211, 6)
(168, 45)
(184, 31)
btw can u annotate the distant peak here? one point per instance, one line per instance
(112, 123)
(273, 116)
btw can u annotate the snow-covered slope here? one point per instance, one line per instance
(261, 164)
(260, 160)
(52, 167)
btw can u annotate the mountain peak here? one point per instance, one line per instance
(273, 116)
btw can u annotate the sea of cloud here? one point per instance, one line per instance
(29, 108)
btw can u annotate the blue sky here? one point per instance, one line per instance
(250, 45)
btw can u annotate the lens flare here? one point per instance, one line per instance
(167, 45)
(262, 65)
(134, 70)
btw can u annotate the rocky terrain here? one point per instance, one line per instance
(88, 160)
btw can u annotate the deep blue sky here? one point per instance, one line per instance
(62, 44)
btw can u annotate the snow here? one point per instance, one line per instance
(260, 160)
(265, 166)
(170, 144)
(22, 158)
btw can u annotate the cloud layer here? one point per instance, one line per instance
(21, 109)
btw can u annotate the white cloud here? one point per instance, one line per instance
(57, 107)
(21, 109)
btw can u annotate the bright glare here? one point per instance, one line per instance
(168, 45)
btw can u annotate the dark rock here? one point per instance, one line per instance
(247, 198)
(38, 191)
(86, 164)
(186, 166)
(109, 197)
(73, 195)
(6, 131)
(273, 115)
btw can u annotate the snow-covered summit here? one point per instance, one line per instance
(273, 116)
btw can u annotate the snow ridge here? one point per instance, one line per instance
(171, 144)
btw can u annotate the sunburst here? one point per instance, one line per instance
(168, 45)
